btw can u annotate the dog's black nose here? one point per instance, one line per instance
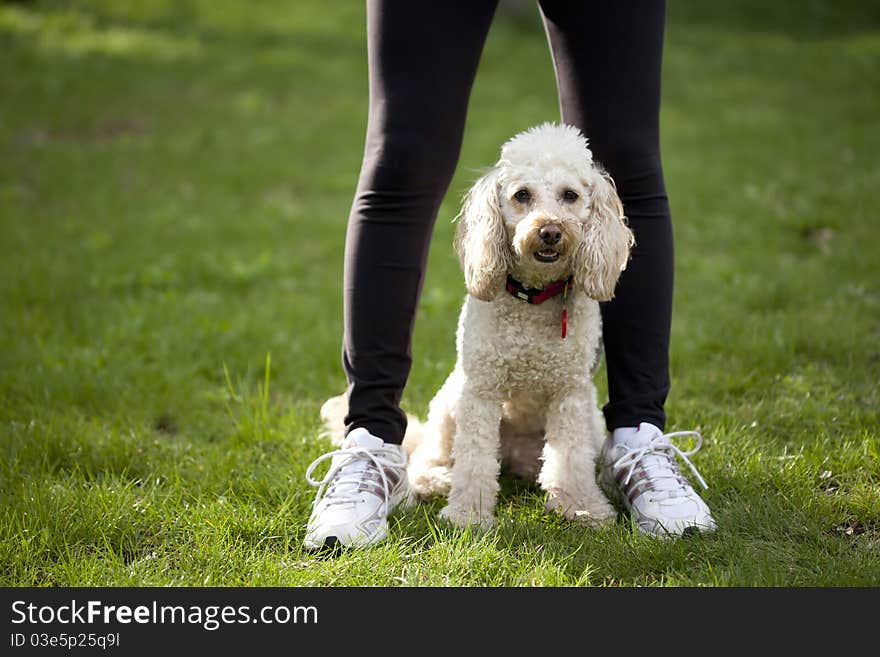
(550, 234)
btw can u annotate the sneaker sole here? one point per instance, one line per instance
(360, 541)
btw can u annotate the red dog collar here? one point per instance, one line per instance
(531, 295)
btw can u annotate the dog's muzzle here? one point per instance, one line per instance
(550, 235)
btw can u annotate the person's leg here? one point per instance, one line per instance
(422, 61)
(607, 57)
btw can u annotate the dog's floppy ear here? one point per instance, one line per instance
(481, 239)
(605, 248)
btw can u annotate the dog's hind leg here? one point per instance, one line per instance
(568, 474)
(431, 461)
(333, 419)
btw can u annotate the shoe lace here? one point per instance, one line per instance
(348, 470)
(664, 467)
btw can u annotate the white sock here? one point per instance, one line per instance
(635, 436)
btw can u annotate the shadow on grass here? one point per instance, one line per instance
(766, 536)
(801, 20)
(238, 31)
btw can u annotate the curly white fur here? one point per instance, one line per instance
(519, 393)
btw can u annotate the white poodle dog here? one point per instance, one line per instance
(541, 239)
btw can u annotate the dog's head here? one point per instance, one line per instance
(543, 213)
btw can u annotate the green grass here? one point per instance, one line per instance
(174, 183)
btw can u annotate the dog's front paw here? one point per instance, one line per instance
(467, 517)
(593, 513)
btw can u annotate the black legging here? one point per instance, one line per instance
(423, 57)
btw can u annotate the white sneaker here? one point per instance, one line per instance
(366, 480)
(641, 469)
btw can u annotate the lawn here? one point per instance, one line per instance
(175, 179)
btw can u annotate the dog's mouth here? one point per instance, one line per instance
(547, 255)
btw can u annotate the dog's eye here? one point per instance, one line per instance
(569, 196)
(523, 196)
